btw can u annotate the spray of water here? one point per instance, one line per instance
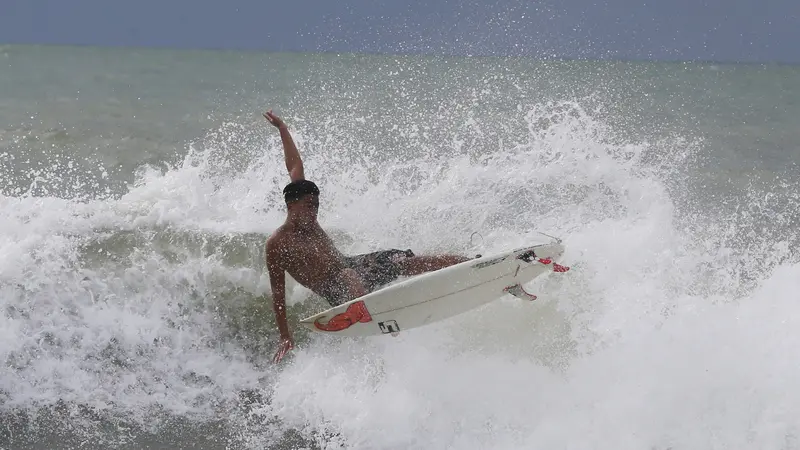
(154, 306)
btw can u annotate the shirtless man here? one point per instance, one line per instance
(303, 249)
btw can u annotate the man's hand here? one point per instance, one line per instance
(294, 165)
(274, 120)
(286, 344)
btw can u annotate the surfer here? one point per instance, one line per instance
(302, 248)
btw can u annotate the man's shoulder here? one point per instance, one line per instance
(275, 238)
(276, 247)
(279, 237)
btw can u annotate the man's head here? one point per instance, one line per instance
(302, 199)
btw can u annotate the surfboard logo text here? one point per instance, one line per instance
(488, 263)
(355, 313)
(388, 326)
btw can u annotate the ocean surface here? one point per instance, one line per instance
(137, 188)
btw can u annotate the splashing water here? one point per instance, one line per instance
(153, 307)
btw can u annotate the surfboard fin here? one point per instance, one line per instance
(518, 291)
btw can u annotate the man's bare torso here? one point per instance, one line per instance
(309, 256)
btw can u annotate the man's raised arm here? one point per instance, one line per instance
(294, 165)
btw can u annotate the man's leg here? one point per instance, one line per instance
(354, 284)
(416, 265)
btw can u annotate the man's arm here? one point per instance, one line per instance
(277, 279)
(294, 165)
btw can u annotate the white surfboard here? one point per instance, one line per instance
(440, 294)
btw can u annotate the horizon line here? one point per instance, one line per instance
(465, 55)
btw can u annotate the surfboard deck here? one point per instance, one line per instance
(440, 294)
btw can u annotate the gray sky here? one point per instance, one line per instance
(722, 30)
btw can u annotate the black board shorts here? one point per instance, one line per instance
(376, 269)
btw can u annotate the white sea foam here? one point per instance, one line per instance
(129, 305)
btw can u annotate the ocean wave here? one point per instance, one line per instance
(150, 310)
